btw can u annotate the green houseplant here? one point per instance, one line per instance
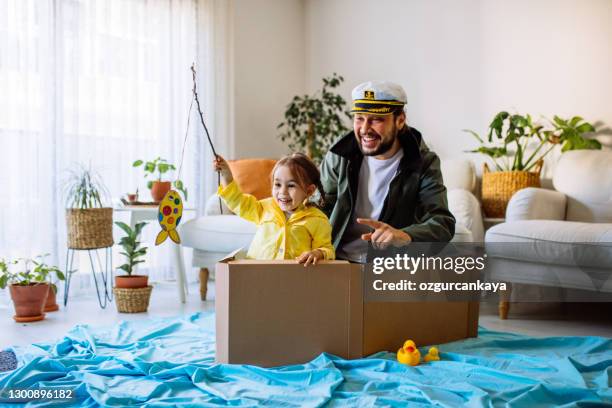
(157, 168)
(313, 122)
(133, 252)
(516, 143)
(132, 291)
(89, 222)
(517, 146)
(53, 275)
(30, 286)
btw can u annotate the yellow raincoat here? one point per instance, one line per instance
(277, 237)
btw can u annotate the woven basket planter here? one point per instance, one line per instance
(499, 186)
(89, 228)
(132, 300)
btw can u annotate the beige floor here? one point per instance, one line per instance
(555, 320)
(539, 320)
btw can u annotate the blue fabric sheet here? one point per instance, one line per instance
(170, 363)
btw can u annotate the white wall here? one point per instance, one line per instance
(269, 69)
(462, 61)
(548, 57)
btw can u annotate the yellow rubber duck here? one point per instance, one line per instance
(409, 354)
(432, 355)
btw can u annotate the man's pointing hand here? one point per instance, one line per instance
(383, 235)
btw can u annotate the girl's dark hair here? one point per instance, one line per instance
(305, 172)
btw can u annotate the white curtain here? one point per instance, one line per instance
(102, 83)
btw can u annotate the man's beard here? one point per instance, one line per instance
(383, 147)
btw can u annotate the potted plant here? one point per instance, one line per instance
(29, 287)
(40, 267)
(132, 291)
(517, 146)
(89, 222)
(313, 122)
(157, 168)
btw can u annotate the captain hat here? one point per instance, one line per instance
(378, 97)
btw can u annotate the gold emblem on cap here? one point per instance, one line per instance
(368, 95)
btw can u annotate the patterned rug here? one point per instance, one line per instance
(8, 361)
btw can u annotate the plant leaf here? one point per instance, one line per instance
(126, 228)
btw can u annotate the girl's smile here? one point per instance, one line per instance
(286, 191)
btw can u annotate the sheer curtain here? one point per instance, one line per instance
(102, 83)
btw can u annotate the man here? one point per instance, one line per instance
(382, 183)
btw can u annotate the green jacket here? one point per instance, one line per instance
(416, 201)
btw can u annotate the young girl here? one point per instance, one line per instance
(289, 226)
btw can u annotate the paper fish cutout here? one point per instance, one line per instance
(169, 217)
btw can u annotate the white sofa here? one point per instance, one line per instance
(214, 235)
(559, 238)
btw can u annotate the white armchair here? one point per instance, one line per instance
(559, 238)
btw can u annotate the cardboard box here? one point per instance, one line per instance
(271, 313)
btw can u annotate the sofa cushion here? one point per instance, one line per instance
(217, 233)
(552, 242)
(585, 176)
(253, 176)
(458, 173)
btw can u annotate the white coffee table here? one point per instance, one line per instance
(139, 213)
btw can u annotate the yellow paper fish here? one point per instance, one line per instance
(169, 217)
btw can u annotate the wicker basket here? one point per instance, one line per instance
(499, 186)
(132, 300)
(89, 228)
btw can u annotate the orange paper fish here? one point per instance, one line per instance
(169, 217)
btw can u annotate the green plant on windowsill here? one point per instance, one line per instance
(157, 168)
(313, 122)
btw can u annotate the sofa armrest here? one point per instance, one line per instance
(536, 204)
(212, 206)
(466, 209)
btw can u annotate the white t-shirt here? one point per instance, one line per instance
(374, 179)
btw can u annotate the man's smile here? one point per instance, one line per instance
(370, 141)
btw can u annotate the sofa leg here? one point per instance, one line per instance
(504, 302)
(504, 308)
(203, 283)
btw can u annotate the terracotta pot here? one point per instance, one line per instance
(132, 282)
(159, 190)
(29, 301)
(51, 304)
